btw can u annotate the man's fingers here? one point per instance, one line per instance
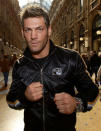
(38, 89)
(35, 85)
(37, 95)
(65, 103)
(58, 96)
(34, 91)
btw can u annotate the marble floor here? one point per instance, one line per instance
(12, 120)
(90, 121)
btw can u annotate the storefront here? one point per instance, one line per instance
(96, 33)
(72, 40)
(82, 39)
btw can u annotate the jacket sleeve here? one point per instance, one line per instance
(99, 74)
(87, 89)
(15, 97)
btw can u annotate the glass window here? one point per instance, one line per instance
(81, 5)
(44, 3)
(72, 40)
(97, 22)
(71, 14)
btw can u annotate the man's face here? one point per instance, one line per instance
(91, 53)
(36, 34)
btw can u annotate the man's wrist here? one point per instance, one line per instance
(79, 105)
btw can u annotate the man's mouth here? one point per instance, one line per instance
(34, 43)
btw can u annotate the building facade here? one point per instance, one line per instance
(10, 29)
(76, 24)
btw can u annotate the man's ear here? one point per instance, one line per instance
(22, 33)
(49, 31)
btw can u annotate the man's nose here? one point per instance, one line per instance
(33, 34)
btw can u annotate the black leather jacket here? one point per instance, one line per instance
(62, 71)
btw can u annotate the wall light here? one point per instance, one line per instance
(0, 39)
(71, 42)
(98, 32)
(81, 38)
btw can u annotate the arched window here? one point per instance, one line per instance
(72, 40)
(81, 5)
(82, 38)
(96, 33)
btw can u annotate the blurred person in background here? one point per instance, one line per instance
(99, 76)
(94, 63)
(5, 67)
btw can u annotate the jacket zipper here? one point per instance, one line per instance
(43, 94)
(43, 100)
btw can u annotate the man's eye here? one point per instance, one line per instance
(27, 30)
(40, 29)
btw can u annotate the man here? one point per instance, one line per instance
(99, 76)
(44, 79)
(94, 62)
(5, 67)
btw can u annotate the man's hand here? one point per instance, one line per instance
(34, 91)
(65, 103)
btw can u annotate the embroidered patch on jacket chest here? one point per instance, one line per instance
(57, 71)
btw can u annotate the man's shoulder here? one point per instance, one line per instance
(66, 50)
(21, 60)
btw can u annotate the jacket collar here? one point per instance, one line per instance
(28, 54)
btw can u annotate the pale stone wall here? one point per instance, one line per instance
(10, 29)
(68, 18)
